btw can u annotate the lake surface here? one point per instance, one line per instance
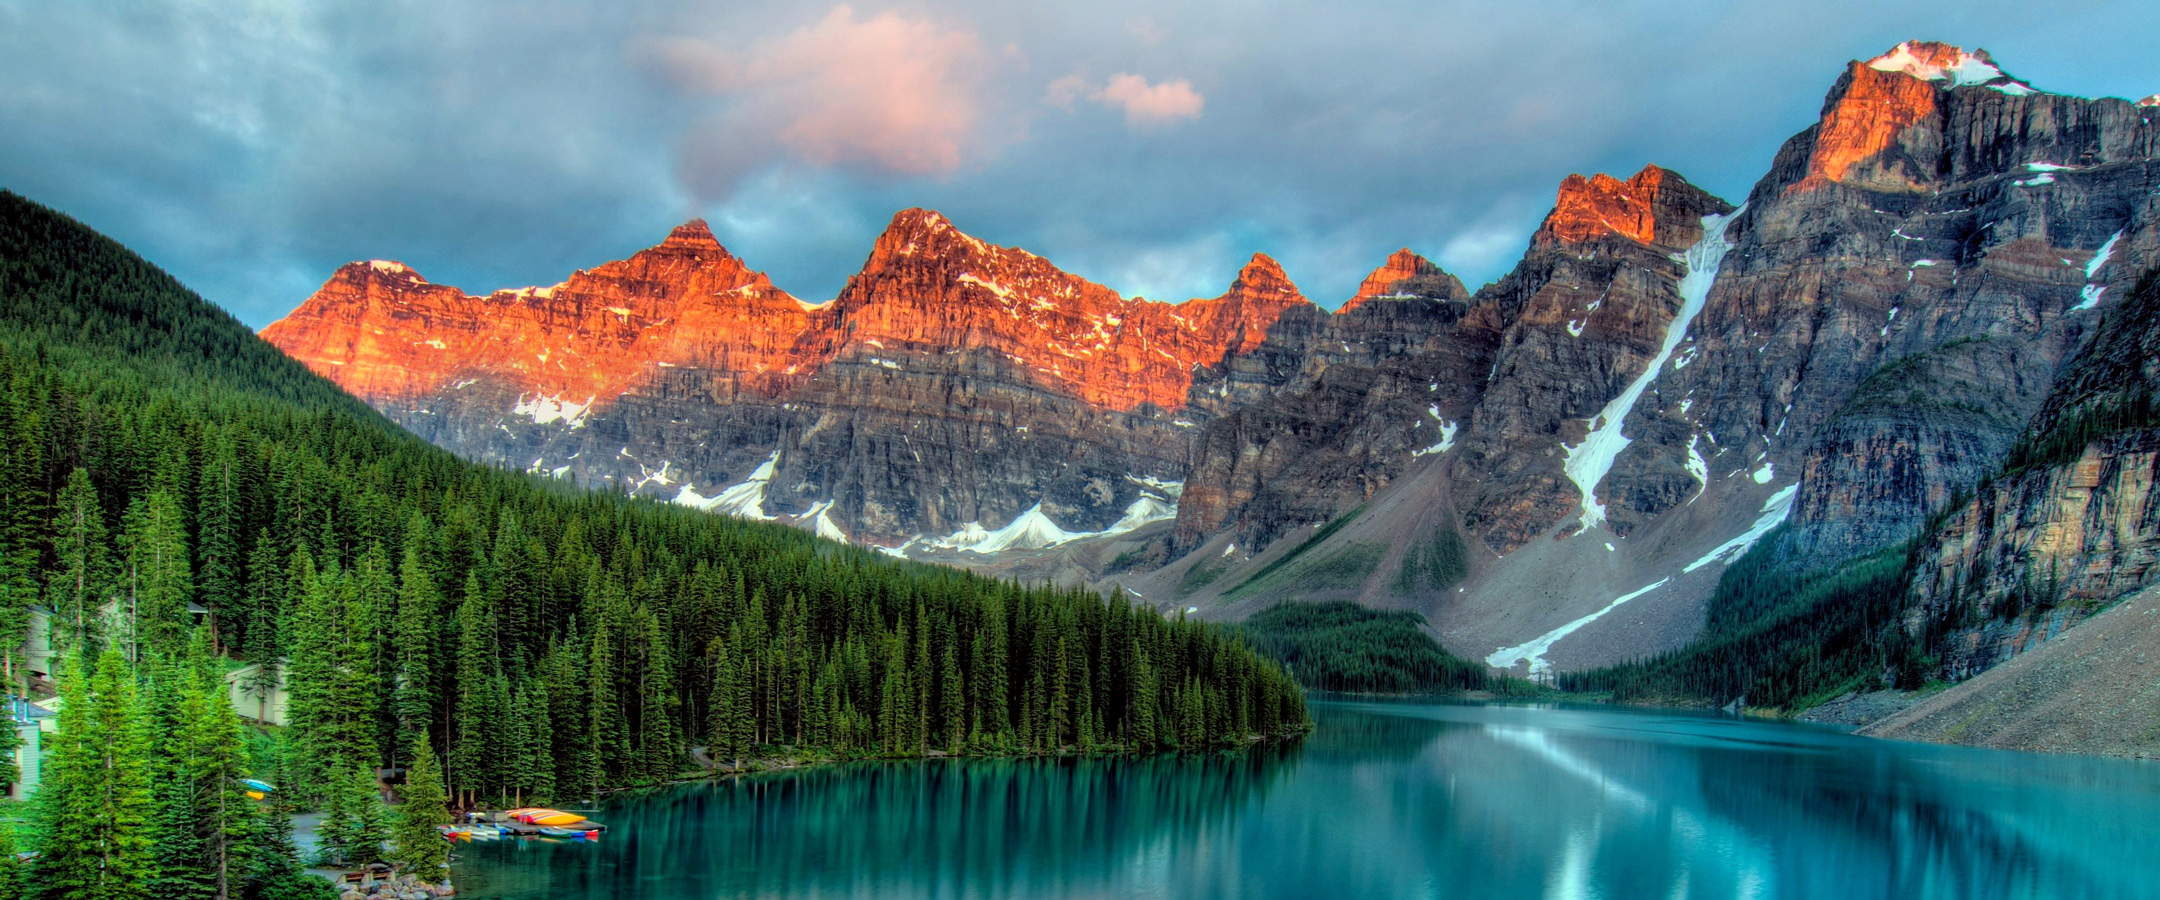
(1391, 800)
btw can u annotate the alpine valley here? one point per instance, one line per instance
(1917, 356)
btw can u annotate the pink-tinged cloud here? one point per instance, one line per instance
(1145, 105)
(1152, 104)
(888, 94)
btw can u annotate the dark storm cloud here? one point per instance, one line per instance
(253, 146)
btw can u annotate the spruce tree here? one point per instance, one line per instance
(94, 804)
(355, 823)
(14, 873)
(728, 738)
(420, 815)
(80, 584)
(159, 580)
(418, 625)
(278, 873)
(660, 740)
(220, 577)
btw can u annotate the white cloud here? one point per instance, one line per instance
(1152, 104)
(1145, 105)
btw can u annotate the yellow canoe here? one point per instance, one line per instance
(556, 819)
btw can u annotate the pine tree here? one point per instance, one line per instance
(80, 584)
(729, 735)
(95, 799)
(421, 815)
(278, 873)
(159, 581)
(471, 758)
(217, 758)
(660, 741)
(220, 578)
(23, 517)
(418, 624)
(311, 713)
(609, 747)
(14, 873)
(354, 824)
(532, 769)
(952, 705)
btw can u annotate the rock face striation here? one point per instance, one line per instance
(1554, 467)
(953, 386)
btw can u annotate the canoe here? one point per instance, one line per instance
(258, 785)
(256, 795)
(542, 816)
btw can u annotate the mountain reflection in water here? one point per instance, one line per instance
(1391, 800)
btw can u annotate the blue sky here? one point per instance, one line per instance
(251, 146)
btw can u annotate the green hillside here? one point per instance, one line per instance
(550, 641)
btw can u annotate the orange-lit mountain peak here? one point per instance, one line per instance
(1263, 278)
(384, 332)
(1406, 274)
(1588, 208)
(1937, 61)
(1874, 108)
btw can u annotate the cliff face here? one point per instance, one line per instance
(1660, 381)
(2075, 522)
(1969, 208)
(1509, 374)
(952, 382)
(1853, 350)
(1586, 312)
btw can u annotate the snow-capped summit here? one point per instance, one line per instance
(1935, 61)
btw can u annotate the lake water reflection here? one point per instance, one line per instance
(1392, 800)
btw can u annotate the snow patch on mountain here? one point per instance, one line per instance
(1034, 529)
(1962, 69)
(1588, 462)
(544, 410)
(1447, 440)
(2093, 290)
(1774, 512)
(746, 500)
(1533, 652)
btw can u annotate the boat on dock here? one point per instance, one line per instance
(528, 823)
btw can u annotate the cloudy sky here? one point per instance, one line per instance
(251, 146)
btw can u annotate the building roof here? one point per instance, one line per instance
(24, 712)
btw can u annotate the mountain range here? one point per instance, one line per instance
(1870, 350)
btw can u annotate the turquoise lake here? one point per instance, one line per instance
(1391, 800)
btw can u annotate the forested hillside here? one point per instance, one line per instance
(1341, 646)
(551, 641)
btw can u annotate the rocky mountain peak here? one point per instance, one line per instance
(1264, 279)
(916, 238)
(1653, 206)
(694, 233)
(366, 271)
(1868, 136)
(1406, 274)
(1934, 61)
